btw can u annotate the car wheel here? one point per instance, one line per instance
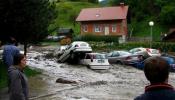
(72, 56)
(141, 58)
(88, 66)
(119, 62)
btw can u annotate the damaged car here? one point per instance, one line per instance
(75, 50)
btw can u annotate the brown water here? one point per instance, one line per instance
(118, 83)
(126, 82)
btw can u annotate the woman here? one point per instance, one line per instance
(18, 80)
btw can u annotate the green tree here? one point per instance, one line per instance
(26, 20)
(93, 1)
(167, 15)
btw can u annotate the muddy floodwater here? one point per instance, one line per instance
(120, 82)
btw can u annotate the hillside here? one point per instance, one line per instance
(67, 13)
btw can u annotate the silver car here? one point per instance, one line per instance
(145, 52)
(123, 57)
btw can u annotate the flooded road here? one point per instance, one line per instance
(118, 83)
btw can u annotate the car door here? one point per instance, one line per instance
(113, 57)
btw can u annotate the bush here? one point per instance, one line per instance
(96, 38)
(3, 75)
(106, 47)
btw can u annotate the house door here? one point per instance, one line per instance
(106, 30)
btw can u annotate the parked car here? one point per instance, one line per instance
(146, 52)
(123, 57)
(170, 60)
(95, 61)
(74, 49)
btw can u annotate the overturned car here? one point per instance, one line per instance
(75, 51)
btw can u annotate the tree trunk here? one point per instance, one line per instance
(25, 48)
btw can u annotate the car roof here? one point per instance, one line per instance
(75, 42)
(119, 51)
(93, 53)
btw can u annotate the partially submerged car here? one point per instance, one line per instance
(146, 52)
(95, 61)
(74, 50)
(123, 57)
(60, 50)
(170, 61)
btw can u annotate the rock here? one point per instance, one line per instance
(60, 80)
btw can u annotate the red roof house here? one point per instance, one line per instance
(104, 21)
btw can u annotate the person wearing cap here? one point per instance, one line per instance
(156, 71)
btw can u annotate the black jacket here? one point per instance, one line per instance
(158, 92)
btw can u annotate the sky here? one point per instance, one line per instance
(100, 0)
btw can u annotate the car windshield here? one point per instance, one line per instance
(100, 56)
(83, 44)
(124, 53)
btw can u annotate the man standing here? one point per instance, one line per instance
(156, 70)
(9, 51)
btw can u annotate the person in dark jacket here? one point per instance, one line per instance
(9, 51)
(156, 70)
(18, 89)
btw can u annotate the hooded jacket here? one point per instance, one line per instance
(18, 84)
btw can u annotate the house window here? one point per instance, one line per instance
(114, 28)
(85, 28)
(97, 28)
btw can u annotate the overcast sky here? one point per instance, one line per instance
(100, 0)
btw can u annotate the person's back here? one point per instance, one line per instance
(9, 51)
(158, 92)
(156, 70)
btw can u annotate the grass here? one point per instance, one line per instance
(67, 13)
(3, 74)
(142, 29)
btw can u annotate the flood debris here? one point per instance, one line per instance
(64, 81)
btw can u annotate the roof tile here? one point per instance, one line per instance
(104, 13)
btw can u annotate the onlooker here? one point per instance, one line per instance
(18, 89)
(9, 51)
(156, 70)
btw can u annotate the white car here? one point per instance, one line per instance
(123, 57)
(95, 61)
(60, 50)
(146, 52)
(74, 49)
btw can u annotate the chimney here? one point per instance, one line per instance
(122, 4)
